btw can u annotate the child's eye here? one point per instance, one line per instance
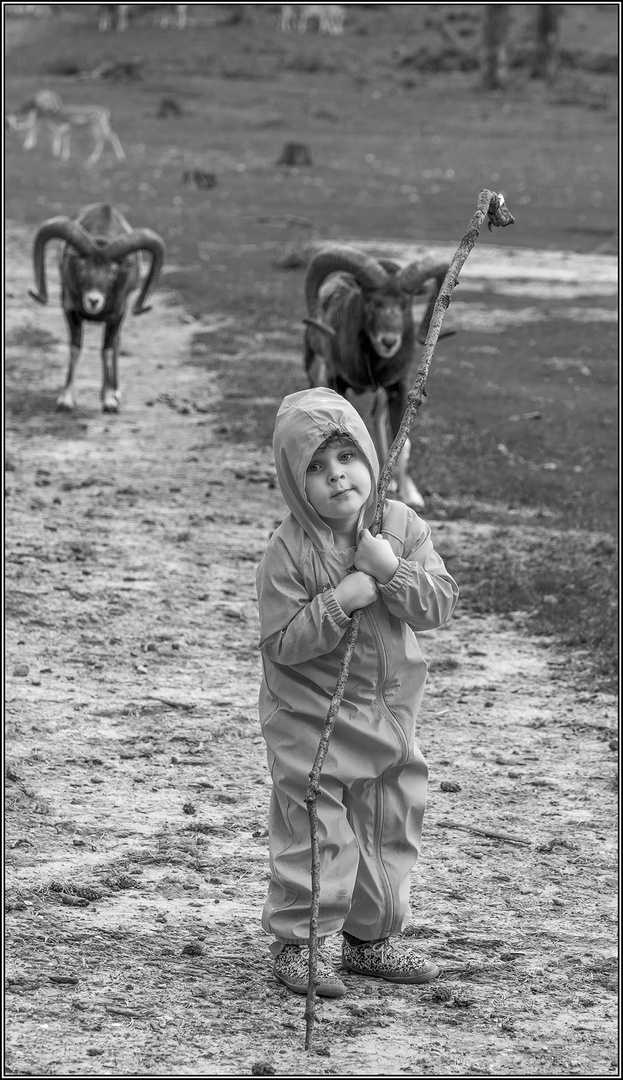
(313, 466)
(346, 455)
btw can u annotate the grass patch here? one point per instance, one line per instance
(250, 399)
(31, 337)
(566, 584)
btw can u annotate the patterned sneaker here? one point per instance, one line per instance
(291, 967)
(386, 959)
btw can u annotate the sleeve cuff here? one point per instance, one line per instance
(333, 609)
(399, 579)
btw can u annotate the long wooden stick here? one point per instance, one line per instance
(491, 834)
(492, 206)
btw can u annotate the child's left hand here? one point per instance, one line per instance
(375, 556)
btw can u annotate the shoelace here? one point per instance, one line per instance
(396, 951)
(324, 968)
(399, 951)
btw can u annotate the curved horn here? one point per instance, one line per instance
(140, 240)
(389, 265)
(412, 277)
(58, 228)
(367, 272)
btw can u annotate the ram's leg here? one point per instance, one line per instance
(110, 351)
(380, 425)
(316, 370)
(66, 400)
(97, 151)
(407, 490)
(66, 145)
(372, 408)
(31, 133)
(381, 433)
(116, 145)
(314, 358)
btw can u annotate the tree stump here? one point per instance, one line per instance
(295, 153)
(197, 178)
(169, 107)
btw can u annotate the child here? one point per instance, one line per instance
(320, 565)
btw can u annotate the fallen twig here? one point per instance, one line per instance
(132, 1014)
(473, 969)
(489, 206)
(492, 834)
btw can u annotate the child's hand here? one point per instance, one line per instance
(375, 556)
(355, 591)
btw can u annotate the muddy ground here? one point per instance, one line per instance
(137, 791)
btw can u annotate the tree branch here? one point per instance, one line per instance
(489, 206)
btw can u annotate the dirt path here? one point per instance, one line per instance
(136, 783)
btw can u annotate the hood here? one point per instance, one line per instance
(304, 421)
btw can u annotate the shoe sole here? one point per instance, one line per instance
(413, 980)
(322, 990)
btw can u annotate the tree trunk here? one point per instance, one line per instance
(546, 58)
(494, 57)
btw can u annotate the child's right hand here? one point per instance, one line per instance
(356, 590)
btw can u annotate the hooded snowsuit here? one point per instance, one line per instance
(373, 782)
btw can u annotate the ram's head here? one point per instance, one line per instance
(387, 290)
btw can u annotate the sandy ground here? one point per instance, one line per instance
(137, 791)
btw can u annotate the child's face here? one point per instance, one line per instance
(337, 484)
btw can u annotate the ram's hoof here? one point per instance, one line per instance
(65, 403)
(110, 403)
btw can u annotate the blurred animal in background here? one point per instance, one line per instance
(330, 17)
(288, 17)
(26, 118)
(99, 266)
(360, 338)
(34, 11)
(47, 110)
(199, 179)
(114, 17)
(173, 15)
(117, 16)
